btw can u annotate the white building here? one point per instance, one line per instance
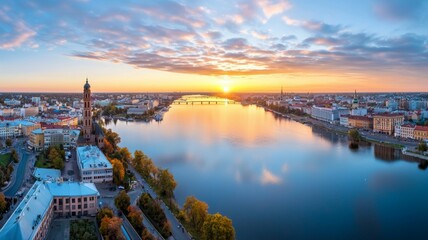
(344, 120)
(405, 131)
(57, 136)
(93, 165)
(12, 102)
(35, 100)
(330, 115)
(9, 129)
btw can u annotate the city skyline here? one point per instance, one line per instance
(243, 46)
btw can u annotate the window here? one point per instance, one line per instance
(73, 207)
(73, 200)
(79, 200)
(67, 200)
(79, 206)
(60, 201)
(85, 205)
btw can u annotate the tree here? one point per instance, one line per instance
(146, 235)
(104, 212)
(58, 163)
(110, 228)
(196, 212)
(144, 165)
(354, 135)
(3, 203)
(422, 147)
(14, 156)
(166, 183)
(113, 138)
(218, 227)
(108, 148)
(8, 142)
(122, 201)
(135, 218)
(118, 171)
(126, 155)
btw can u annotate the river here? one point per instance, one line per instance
(279, 179)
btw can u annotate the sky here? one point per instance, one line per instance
(214, 45)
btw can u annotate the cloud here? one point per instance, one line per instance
(402, 9)
(269, 178)
(271, 8)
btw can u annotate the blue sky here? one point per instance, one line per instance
(255, 45)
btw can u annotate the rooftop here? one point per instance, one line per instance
(72, 189)
(91, 157)
(46, 173)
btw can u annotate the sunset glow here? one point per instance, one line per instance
(260, 45)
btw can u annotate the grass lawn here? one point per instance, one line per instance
(42, 162)
(5, 159)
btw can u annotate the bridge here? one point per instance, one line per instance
(202, 100)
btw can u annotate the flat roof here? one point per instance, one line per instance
(72, 189)
(91, 157)
(46, 173)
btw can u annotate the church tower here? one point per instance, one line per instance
(87, 112)
(355, 102)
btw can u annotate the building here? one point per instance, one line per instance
(359, 112)
(355, 102)
(405, 131)
(29, 111)
(57, 136)
(46, 174)
(385, 123)
(344, 120)
(93, 165)
(28, 127)
(32, 217)
(330, 115)
(9, 129)
(37, 140)
(421, 133)
(360, 122)
(87, 112)
(92, 132)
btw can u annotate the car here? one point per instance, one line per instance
(121, 187)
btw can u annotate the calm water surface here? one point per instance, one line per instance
(279, 179)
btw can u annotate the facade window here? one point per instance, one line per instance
(67, 200)
(79, 200)
(60, 201)
(85, 205)
(79, 206)
(73, 200)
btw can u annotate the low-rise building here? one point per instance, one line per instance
(32, 217)
(330, 115)
(60, 135)
(421, 133)
(385, 123)
(344, 120)
(93, 165)
(405, 131)
(37, 140)
(360, 122)
(9, 129)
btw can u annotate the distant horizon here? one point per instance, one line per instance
(251, 46)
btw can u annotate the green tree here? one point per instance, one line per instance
(122, 201)
(8, 142)
(422, 146)
(196, 212)
(3, 203)
(58, 163)
(104, 212)
(218, 227)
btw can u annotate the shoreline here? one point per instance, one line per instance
(344, 131)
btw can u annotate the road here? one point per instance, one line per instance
(20, 172)
(177, 233)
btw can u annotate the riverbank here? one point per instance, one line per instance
(367, 136)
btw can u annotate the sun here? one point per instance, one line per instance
(226, 89)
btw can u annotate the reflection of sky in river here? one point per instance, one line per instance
(280, 179)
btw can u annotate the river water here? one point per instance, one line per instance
(279, 179)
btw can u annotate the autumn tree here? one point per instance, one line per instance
(118, 171)
(3, 203)
(126, 155)
(122, 201)
(196, 212)
(8, 142)
(110, 228)
(218, 227)
(104, 212)
(144, 165)
(135, 218)
(166, 183)
(14, 156)
(422, 146)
